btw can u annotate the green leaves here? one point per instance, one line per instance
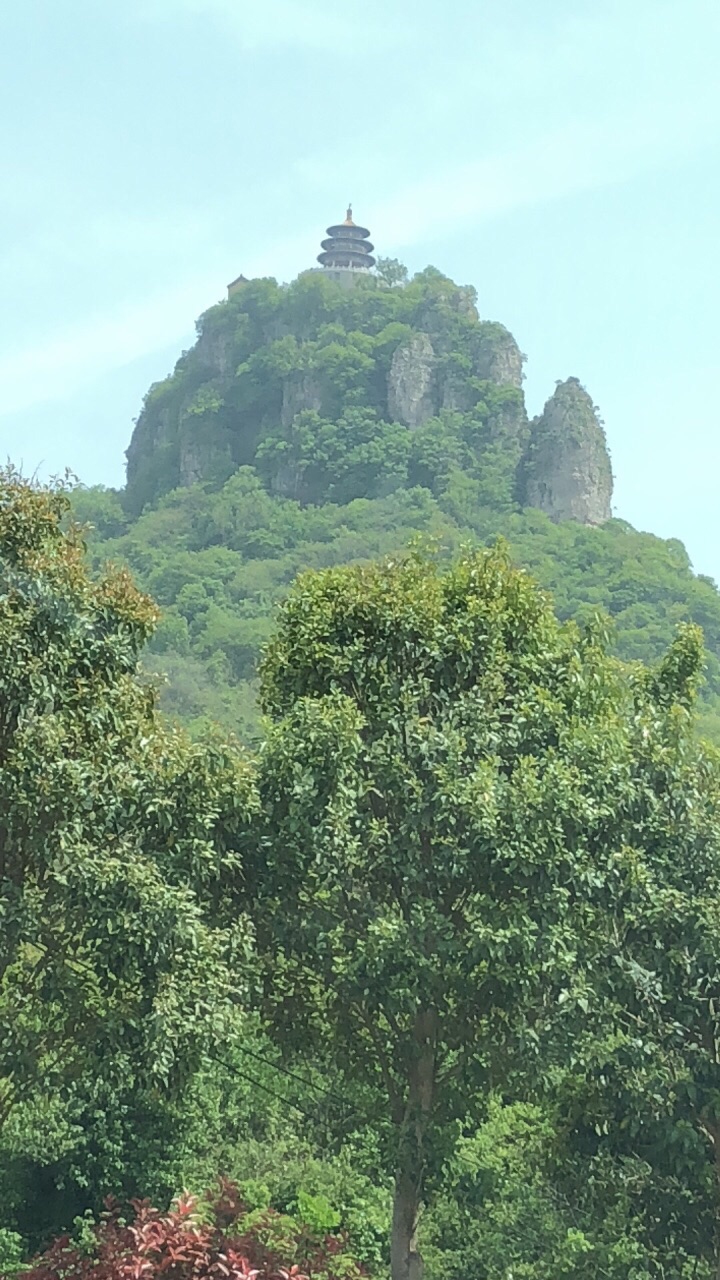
(121, 952)
(463, 799)
(475, 850)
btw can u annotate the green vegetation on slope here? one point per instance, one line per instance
(312, 426)
(218, 561)
(316, 387)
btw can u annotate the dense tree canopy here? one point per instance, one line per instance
(116, 961)
(464, 798)
(219, 563)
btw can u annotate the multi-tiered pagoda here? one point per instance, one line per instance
(347, 249)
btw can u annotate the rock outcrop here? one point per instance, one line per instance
(214, 349)
(204, 453)
(566, 470)
(454, 392)
(300, 391)
(411, 382)
(497, 356)
(424, 379)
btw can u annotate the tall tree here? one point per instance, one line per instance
(456, 790)
(111, 826)
(647, 1096)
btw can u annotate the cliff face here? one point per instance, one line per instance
(411, 392)
(566, 471)
(497, 357)
(301, 391)
(427, 376)
(271, 355)
(215, 350)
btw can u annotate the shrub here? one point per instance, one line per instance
(210, 1239)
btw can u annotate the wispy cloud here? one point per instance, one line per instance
(608, 139)
(558, 164)
(527, 112)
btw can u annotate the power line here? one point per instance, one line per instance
(242, 1075)
(551, 1194)
(349, 1109)
(293, 1075)
(365, 1117)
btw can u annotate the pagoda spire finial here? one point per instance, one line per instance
(348, 215)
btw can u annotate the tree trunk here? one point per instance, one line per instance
(711, 1130)
(405, 1261)
(714, 1133)
(405, 1258)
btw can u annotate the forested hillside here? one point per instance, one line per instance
(313, 426)
(218, 561)
(323, 391)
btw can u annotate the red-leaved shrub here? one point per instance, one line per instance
(210, 1240)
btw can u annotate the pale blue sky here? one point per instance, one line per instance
(560, 155)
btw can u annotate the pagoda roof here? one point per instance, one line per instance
(341, 229)
(343, 257)
(344, 242)
(347, 246)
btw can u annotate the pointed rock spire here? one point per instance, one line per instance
(566, 470)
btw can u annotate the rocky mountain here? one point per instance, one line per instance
(566, 468)
(334, 394)
(312, 424)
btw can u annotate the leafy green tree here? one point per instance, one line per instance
(115, 951)
(649, 1093)
(503, 1209)
(356, 456)
(392, 272)
(457, 792)
(101, 508)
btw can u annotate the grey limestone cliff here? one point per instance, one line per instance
(425, 377)
(204, 453)
(566, 470)
(411, 382)
(497, 356)
(215, 351)
(301, 391)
